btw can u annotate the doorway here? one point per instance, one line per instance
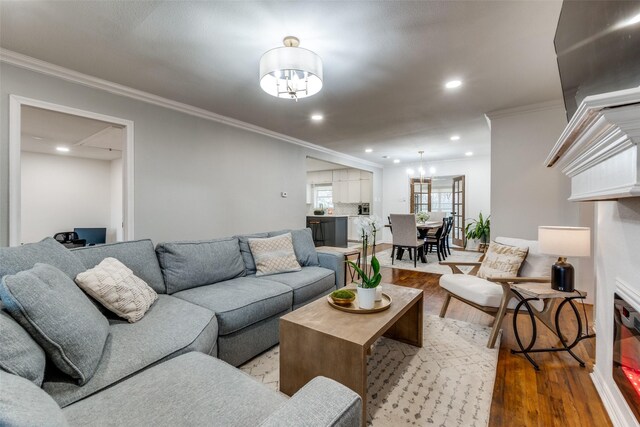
(70, 171)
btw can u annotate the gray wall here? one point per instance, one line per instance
(194, 178)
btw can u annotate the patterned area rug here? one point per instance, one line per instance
(447, 382)
(432, 265)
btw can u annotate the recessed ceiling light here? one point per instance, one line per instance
(451, 84)
(317, 117)
(454, 138)
(469, 153)
(396, 160)
(63, 149)
(368, 150)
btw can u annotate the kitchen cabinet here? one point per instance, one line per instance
(319, 177)
(365, 191)
(309, 193)
(353, 174)
(340, 192)
(353, 191)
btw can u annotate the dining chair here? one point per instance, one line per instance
(445, 238)
(436, 240)
(405, 237)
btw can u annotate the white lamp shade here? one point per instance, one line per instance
(307, 67)
(565, 241)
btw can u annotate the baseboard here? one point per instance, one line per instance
(610, 402)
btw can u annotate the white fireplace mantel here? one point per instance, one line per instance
(598, 149)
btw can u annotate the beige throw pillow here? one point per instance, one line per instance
(502, 261)
(274, 255)
(115, 286)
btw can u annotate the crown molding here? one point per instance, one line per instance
(524, 109)
(33, 64)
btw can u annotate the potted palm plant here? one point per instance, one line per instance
(370, 276)
(478, 230)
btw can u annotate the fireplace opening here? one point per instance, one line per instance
(626, 352)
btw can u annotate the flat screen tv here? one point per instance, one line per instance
(598, 48)
(93, 236)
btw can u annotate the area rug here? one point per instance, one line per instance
(447, 382)
(432, 265)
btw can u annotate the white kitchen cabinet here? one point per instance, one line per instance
(309, 193)
(340, 192)
(325, 177)
(365, 191)
(353, 191)
(353, 174)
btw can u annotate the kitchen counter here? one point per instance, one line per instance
(332, 230)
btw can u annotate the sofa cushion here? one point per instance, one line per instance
(193, 389)
(187, 265)
(170, 327)
(535, 264)
(247, 257)
(56, 313)
(22, 403)
(307, 283)
(502, 261)
(479, 291)
(303, 246)
(241, 302)
(138, 255)
(48, 251)
(19, 353)
(115, 286)
(274, 255)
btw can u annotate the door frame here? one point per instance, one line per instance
(16, 102)
(461, 215)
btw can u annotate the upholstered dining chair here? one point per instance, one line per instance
(405, 236)
(493, 295)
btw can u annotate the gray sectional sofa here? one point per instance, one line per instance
(175, 365)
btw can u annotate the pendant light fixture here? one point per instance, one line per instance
(290, 71)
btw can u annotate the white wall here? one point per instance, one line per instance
(477, 172)
(115, 232)
(194, 178)
(61, 192)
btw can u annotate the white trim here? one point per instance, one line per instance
(609, 400)
(524, 109)
(43, 67)
(15, 108)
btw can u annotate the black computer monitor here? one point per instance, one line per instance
(93, 236)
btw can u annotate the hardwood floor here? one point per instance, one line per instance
(560, 394)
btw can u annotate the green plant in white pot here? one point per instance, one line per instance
(370, 276)
(479, 229)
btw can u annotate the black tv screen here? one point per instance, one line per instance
(598, 48)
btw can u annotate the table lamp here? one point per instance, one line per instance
(564, 242)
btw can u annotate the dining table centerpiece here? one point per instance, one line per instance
(369, 287)
(422, 217)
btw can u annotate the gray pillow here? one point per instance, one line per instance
(59, 316)
(303, 246)
(49, 251)
(247, 257)
(187, 265)
(24, 404)
(19, 353)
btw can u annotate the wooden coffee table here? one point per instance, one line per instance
(319, 340)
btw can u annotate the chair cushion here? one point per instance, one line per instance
(170, 327)
(535, 264)
(190, 264)
(241, 302)
(247, 257)
(22, 403)
(48, 251)
(478, 291)
(303, 245)
(190, 390)
(502, 261)
(307, 283)
(59, 316)
(19, 353)
(274, 255)
(115, 286)
(138, 255)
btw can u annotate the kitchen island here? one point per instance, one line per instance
(332, 227)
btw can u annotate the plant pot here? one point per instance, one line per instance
(378, 293)
(366, 297)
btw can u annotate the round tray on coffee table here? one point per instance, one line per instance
(353, 307)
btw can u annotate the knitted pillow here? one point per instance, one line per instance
(502, 261)
(274, 255)
(115, 286)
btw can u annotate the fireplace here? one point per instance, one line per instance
(626, 352)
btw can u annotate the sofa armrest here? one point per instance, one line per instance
(333, 261)
(320, 403)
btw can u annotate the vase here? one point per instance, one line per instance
(366, 298)
(378, 293)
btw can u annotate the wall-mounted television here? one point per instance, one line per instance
(598, 48)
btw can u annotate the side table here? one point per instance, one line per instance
(527, 292)
(350, 254)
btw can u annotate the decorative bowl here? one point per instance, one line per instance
(343, 297)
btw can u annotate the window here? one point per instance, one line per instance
(323, 195)
(441, 200)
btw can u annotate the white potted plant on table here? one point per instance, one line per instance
(370, 276)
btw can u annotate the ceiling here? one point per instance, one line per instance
(42, 131)
(385, 63)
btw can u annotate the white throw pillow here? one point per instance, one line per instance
(274, 255)
(502, 261)
(115, 286)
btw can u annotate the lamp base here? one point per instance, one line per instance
(562, 276)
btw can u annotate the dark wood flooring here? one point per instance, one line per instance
(560, 394)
